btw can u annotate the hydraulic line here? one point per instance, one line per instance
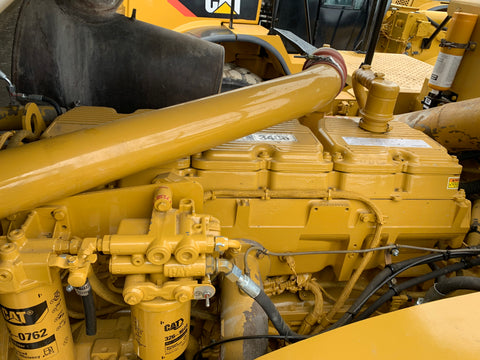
(394, 290)
(442, 288)
(389, 273)
(268, 306)
(245, 283)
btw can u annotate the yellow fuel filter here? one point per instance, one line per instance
(161, 328)
(452, 50)
(38, 323)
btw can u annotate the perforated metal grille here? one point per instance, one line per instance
(403, 2)
(407, 72)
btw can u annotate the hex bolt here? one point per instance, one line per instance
(395, 252)
(69, 288)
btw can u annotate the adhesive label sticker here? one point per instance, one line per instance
(445, 69)
(453, 182)
(177, 335)
(41, 349)
(25, 316)
(386, 142)
(268, 137)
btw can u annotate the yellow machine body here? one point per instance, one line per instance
(431, 335)
(468, 73)
(404, 29)
(155, 234)
(247, 44)
(278, 187)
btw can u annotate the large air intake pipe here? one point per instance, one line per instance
(50, 169)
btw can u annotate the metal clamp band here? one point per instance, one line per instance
(471, 45)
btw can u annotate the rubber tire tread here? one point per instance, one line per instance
(235, 77)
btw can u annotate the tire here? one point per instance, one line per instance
(235, 77)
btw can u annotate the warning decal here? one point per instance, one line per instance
(453, 182)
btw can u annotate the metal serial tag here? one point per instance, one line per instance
(406, 143)
(268, 137)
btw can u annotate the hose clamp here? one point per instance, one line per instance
(83, 290)
(470, 46)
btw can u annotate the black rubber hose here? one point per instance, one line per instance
(394, 290)
(389, 273)
(442, 288)
(36, 98)
(90, 316)
(434, 267)
(267, 305)
(53, 103)
(86, 293)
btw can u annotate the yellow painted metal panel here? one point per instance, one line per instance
(446, 329)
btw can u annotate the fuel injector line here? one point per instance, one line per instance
(394, 290)
(447, 285)
(389, 273)
(86, 293)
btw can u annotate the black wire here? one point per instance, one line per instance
(198, 354)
